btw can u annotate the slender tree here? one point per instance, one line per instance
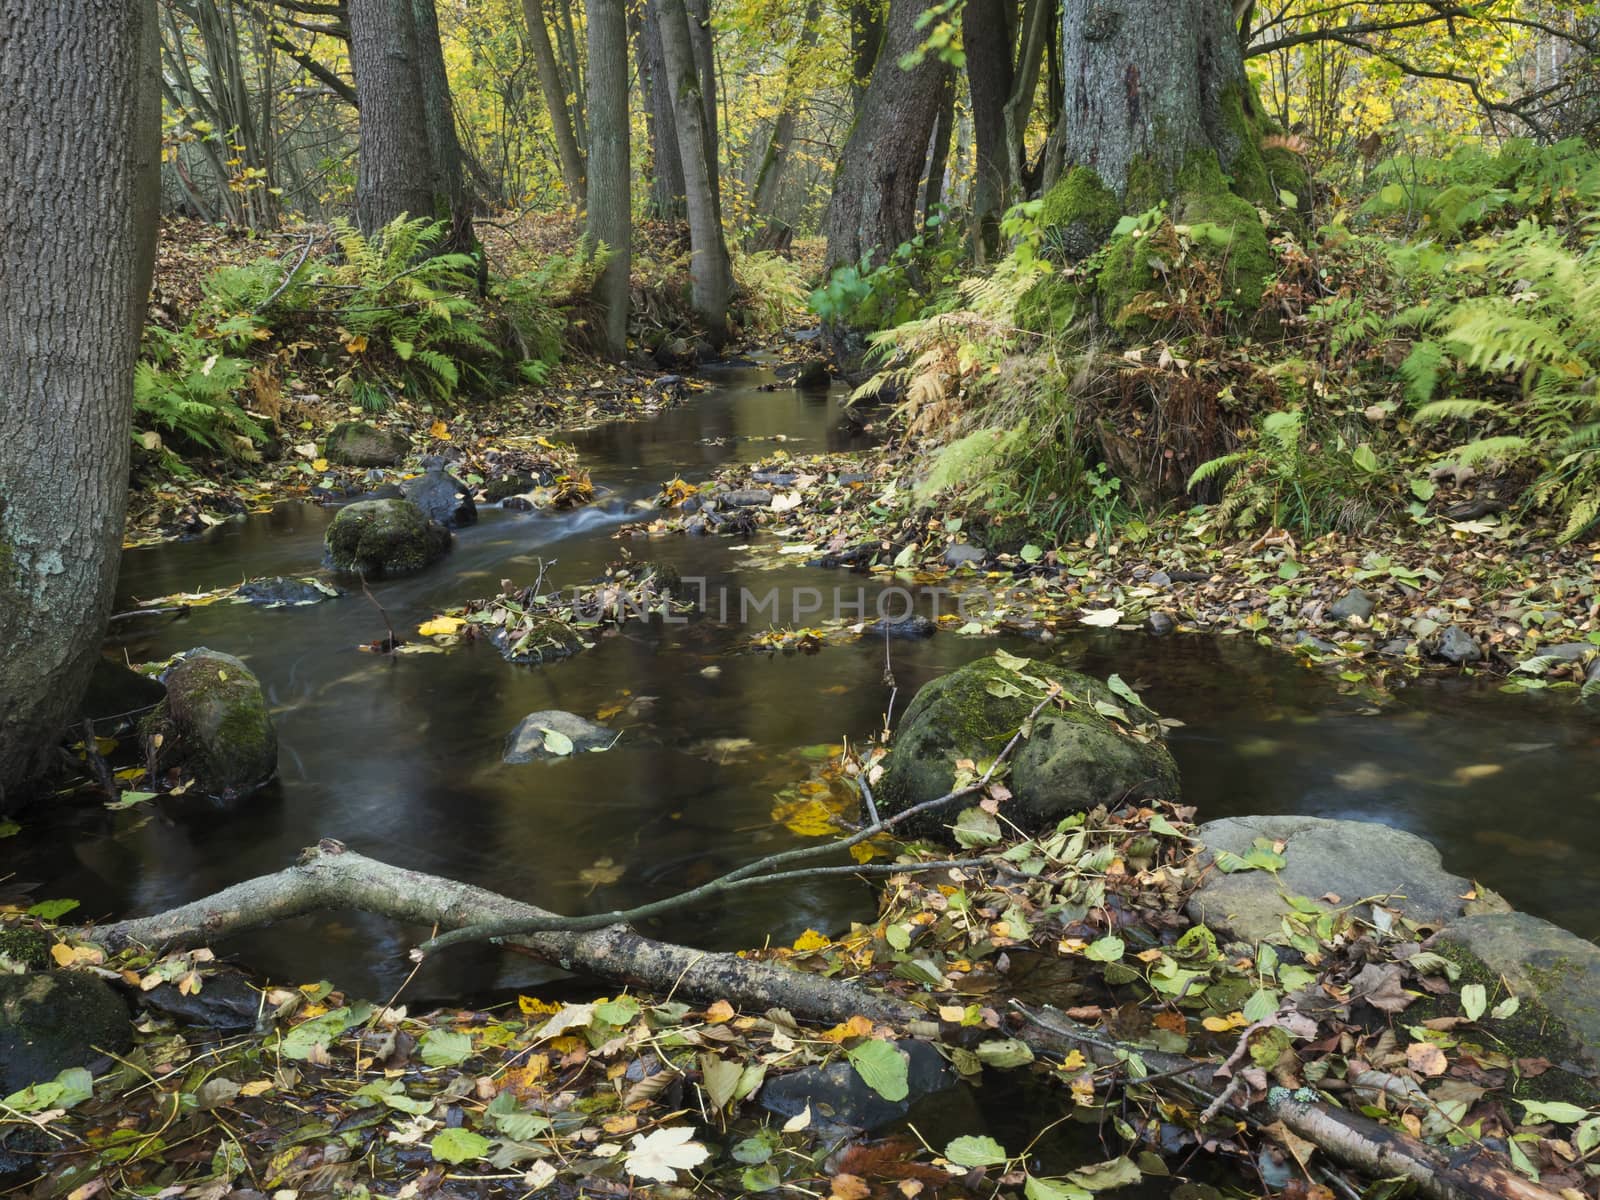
(876, 188)
(987, 38)
(775, 161)
(610, 198)
(939, 151)
(667, 189)
(77, 243)
(554, 92)
(710, 270)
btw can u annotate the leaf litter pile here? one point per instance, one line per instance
(1354, 1006)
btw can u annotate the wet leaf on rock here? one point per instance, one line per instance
(883, 1067)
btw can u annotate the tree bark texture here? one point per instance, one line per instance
(555, 100)
(866, 39)
(80, 138)
(710, 272)
(1147, 84)
(939, 151)
(877, 186)
(667, 179)
(705, 69)
(989, 80)
(452, 195)
(610, 197)
(396, 171)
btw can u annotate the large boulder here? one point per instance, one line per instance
(1080, 754)
(357, 444)
(1352, 860)
(532, 740)
(381, 538)
(441, 497)
(215, 722)
(52, 1020)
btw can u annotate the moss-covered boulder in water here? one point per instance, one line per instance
(52, 1020)
(380, 538)
(1080, 754)
(357, 444)
(215, 723)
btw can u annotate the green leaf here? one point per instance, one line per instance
(1364, 458)
(1506, 1008)
(1474, 999)
(1261, 1005)
(1120, 688)
(459, 1146)
(52, 910)
(319, 1032)
(1050, 1189)
(510, 1119)
(1004, 1053)
(1106, 949)
(971, 1151)
(883, 1067)
(1288, 199)
(1159, 824)
(556, 742)
(1101, 1177)
(620, 1011)
(761, 1179)
(1552, 1110)
(445, 1047)
(1423, 489)
(9, 829)
(1288, 569)
(720, 1078)
(1030, 553)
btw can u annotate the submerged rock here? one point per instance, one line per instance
(1352, 860)
(382, 538)
(906, 628)
(357, 444)
(283, 591)
(1077, 757)
(441, 497)
(530, 741)
(52, 1020)
(214, 722)
(745, 498)
(225, 1001)
(838, 1096)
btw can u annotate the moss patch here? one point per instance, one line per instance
(1231, 224)
(215, 722)
(381, 538)
(1079, 212)
(25, 946)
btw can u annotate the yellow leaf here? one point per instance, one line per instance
(719, 1013)
(320, 464)
(533, 1006)
(256, 1087)
(856, 1027)
(1234, 1020)
(357, 344)
(440, 627)
(439, 430)
(1074, 1061)
(810, 940)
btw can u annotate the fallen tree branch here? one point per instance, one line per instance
(330, 877)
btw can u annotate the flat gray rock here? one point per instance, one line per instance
(1353, 860)
(1539, 960)
(530, 740)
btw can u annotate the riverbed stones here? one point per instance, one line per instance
(1077, 757)
(441, 497)
(215, 722)
(357, 444)
(745, 498)
(532, 740)
(284, 591)
(1357, 603)
(1322, 857)
(964, 555)
(383, 538)
(52, 1020)
(1455, 646)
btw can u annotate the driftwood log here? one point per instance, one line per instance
(328, 876)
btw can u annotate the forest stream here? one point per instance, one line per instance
(400, 756)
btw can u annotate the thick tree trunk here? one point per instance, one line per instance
(989, 80)
(555, 100)
(667, 180)
(452, 197)
(710, 272)
(610, 195)
(1150, 85)
(396, 170)
(79, 134)
(877, 186)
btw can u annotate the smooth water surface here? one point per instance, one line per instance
(399, 757)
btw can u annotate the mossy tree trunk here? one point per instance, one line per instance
(80, 137)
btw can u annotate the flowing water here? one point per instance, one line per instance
(399, 757)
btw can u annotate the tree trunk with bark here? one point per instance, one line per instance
(989, 80)
(396, 171)
(610, 196)
(877, 186)
(775, 162)
(453, 198)
(555, 100)
(710, 271)
(80, 137)
(667, 187)
(939, 151)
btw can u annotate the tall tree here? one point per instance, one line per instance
(667, 165)
(452, 196)
(876, 188)
(610, 198)
(710, 270)
(939, 151)
(775, 161)
(395, 172)
(554, 92)
(77, 243)
(987, 37)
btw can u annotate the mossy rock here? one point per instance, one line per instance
(1076, 758)
(215, 722)
(357, 444)
(539, 640)
(382, 538)
(25, 945)
(1079, 213)
(52, 1020)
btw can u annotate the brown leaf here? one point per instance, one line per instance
(1379, 985)
(850, 1187)
(1426, 1059)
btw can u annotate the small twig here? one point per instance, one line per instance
(387, 624)
(305, 253)
(866, 796)
(175, 609)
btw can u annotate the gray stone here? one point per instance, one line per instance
(357, 444)
(1315, 643)
(1353, 860)
(1567, 652)
(1159, 624)
(1455, 646)
(964, 554)
(1357, 603)
(746, 498)
(838, 1096)
(906, 628)
(441, 497)
(215, 722)
(225, 1001)
(526, 743)
(1541, 961)
(1395, 648)
(1075, 759)
(383, 538)
(52, 1020)
(282, 591)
